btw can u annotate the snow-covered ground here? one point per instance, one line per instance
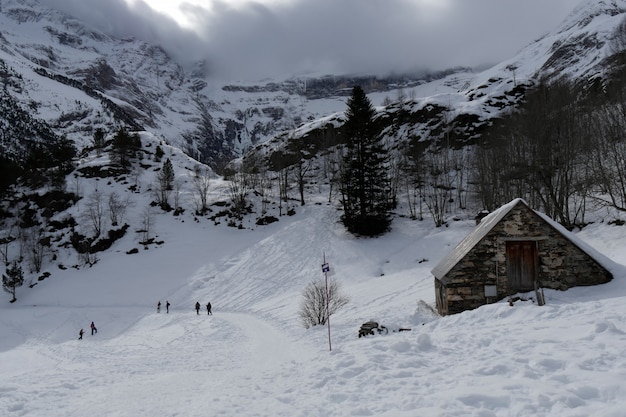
(253, 357)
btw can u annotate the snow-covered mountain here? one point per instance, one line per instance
(76, 79)
(253, 357)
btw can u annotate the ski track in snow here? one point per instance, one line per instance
(228, 359)
(564, 359)
(252, 358)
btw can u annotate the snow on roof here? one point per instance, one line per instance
(486, 224)
(489, 222)
(600, 258)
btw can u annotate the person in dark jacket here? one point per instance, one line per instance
(167, 306)
(80, 334)
(197, 307)
(208, 309)
(159, 307)
(93, 328)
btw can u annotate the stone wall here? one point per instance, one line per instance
(561, 264)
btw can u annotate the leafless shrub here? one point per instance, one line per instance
(313, 307)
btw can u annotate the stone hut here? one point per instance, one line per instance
(513, 250)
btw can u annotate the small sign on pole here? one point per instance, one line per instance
(325, 269)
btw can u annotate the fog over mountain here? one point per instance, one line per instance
(257, 39)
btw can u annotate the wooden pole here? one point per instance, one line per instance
(325, 269)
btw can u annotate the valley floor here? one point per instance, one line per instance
(253, 358)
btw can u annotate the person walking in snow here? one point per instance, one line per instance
(167, 306)
(93, 328)
(159, 306)
(80, 334)
(208, 309)
(197, 307)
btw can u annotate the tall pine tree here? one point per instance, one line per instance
(166, 179)
(365, 186)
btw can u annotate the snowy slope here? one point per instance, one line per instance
(253, 357)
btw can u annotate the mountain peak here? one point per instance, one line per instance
(76, 79)
(583, 40)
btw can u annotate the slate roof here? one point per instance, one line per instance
(490, 221)
(462, 249)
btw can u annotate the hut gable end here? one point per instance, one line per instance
(514, 249)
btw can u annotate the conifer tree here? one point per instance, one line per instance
(166, 179)
(99, 140)
(167, 174)
(124, 146)
(13, 278)
(365, 186)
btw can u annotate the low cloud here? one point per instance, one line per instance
(257, 39)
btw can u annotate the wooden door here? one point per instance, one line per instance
(522, 265)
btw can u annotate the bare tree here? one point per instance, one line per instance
(607, 128)
(238, 191)
(332, 157)
(460, 164)
(488, 174)
(282, 163)
(147, 222)
(412, 168)
(5, 242)
(264, 189)
(77, 185)
(438, 184)
(117, 208)
(302, 168)
(283, 187)
(394, 168)
(38, 245)
(411, 184)
(94, 211)
(178, 189)
(201, 182)
(313, 307)
(541, 154)
(23, 244)
(548, 129)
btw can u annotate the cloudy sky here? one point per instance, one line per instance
(242, 39)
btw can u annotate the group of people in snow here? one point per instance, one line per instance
(167, 306)
(167, 310)
(93, 331)
(208, 308)
(197, 306)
